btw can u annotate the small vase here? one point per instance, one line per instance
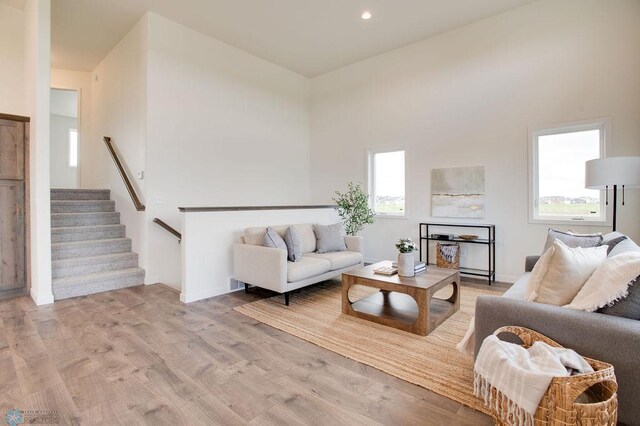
(406, 265)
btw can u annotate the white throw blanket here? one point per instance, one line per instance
(520, 376)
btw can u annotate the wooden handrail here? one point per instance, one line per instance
(168, 228)
(134, 197)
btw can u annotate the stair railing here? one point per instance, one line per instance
(168, 228)
(127, 183)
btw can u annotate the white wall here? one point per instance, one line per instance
(208, 238)
(79, 81)
(119, 110)
(224, 128)
(12, 60)
(467, 98)
(37, 54)
(62, 176)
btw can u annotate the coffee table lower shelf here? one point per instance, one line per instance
(405, 303)
(400, 308)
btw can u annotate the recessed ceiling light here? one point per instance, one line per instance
(366, 15)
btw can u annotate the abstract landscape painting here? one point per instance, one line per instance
(458, 192)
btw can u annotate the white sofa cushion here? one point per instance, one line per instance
(338, 259)
(562, 271)
(306, 267)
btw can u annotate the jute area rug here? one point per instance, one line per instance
(431, 362)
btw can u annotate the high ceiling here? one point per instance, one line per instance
(310, 37)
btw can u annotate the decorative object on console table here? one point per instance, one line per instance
(406, 260)
(489, 241)
(603, 173)
(448, 256)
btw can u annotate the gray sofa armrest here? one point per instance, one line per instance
(530, 262)
(604, 337)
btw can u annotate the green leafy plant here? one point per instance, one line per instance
(353, 208)
(406, 245)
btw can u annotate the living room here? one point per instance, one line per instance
(214, 107)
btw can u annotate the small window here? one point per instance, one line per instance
(386, 182)
(557, 173)
(73, 148)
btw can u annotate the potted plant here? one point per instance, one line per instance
(406, 263)
(353, 208)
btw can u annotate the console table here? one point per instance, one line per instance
(489, 242)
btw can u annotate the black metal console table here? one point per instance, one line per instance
(490, 242)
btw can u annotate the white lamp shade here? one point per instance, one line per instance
(610, 171)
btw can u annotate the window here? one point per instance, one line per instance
(557, 172)
(73, 148)
(386, 182)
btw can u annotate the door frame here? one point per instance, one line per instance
(78, 90)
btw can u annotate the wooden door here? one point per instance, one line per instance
(12, 253)
(11, 150)
(12, 206)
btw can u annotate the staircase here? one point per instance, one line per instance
(89, 249)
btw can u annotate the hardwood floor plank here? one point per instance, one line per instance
(139, 356)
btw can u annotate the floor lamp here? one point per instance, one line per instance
(613, 172)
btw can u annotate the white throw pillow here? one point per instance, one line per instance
(537, 274)
(567, 270)
(608, 283)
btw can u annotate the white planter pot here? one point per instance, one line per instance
(406, 265)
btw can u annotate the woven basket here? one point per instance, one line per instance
(558, 407)
(448, 255)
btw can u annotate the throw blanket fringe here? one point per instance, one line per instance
(513, 414)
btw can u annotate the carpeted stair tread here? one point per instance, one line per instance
(84, 219)
(77, 266)
(89, 248)
(82, 206)
(80, 194)
(63, 234)
(95, 283)
(99, 276)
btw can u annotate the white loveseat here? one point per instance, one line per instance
(269, 268)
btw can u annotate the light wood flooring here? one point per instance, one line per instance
(140, 356)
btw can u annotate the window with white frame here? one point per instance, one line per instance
(73, 148)
(386, 182)
(557, 173)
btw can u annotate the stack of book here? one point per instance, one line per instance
(417, 267)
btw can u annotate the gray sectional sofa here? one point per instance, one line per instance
(612, 334)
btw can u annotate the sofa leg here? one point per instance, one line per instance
(246, 288)
(286, 298)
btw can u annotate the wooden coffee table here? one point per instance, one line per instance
(405, 303)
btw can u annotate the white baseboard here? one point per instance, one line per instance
(205, 294)
(40, 299)
(151, 280)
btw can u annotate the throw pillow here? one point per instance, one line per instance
(273, 239)
(572, 239)
(612, 239)
(330, 237)
(537, 274)
(568, 269)
(294, 244)
(608, 283)
(628, 307)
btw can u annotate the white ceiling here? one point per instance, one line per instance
(310, 37)
(64, 102)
